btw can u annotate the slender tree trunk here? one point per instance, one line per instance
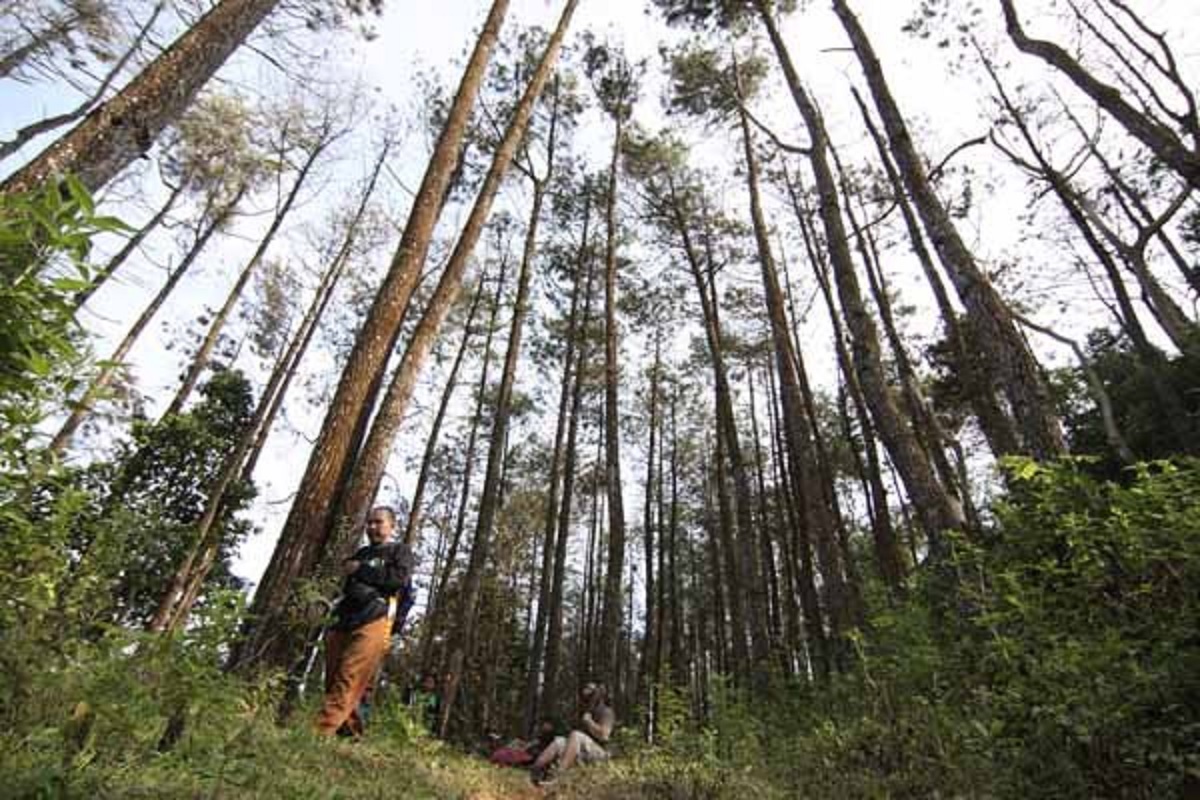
(1151, 358)
(126, 126)
(460, 521)
(817, 522)
(611, 620)
(412, 527)
(129, 247)
(372, 460)
(106, 374)
(546, 637)
(302, 540)
(650, 634)
(554, 631)
(463, 632)
(1017, 375)
(679, 671)
(203, 355)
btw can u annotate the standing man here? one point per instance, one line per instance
(378, 584)
(585, 744)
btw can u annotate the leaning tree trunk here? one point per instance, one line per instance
(1160, 140)
(464, 632)
(203, 354)
(129, 247)
(997, 425)
(1014, 371)
(105, 377)
(302, 540)
(126, 126)
(939, 511)
(416, 508)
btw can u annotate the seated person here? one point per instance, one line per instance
(587, 742)
(521, 752)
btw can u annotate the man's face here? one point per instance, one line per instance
(380, 527)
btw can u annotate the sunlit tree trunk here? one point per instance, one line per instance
(302, 541)
(126, 126)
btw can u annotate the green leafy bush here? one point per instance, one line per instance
(45, 239)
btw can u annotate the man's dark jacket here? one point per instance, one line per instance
(384, 571)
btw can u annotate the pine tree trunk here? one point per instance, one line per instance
(460, 522)
(204, 354)
(997, 425)
(416, 508)
(302, 541)
(554, 631)
(938, 510)
(106, 374)
(463, 632)
(126, 126)
(1013, 369)
(802, 457)
(679, 671)
(611, 618)
(546, 638)
(129, 247)
(372, 460)
(650, 634)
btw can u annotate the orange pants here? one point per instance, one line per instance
(351, 660)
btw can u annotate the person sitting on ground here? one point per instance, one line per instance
(587, 742)
(522, 752)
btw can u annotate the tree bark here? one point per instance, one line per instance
(302, 540)
(1014, 371)
(126, 126)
